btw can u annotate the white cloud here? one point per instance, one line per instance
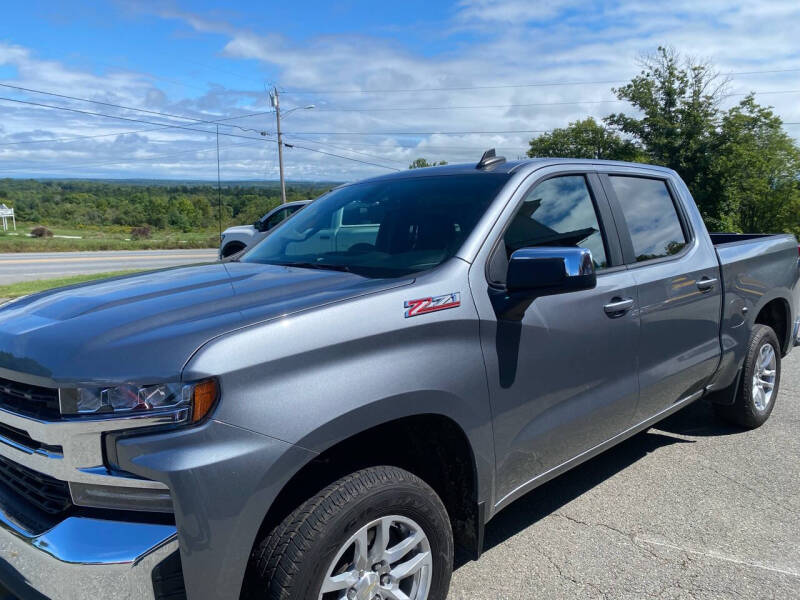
(512, 12)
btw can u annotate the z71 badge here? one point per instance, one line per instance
(428, 305)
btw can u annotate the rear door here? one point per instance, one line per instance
(677, 278)
(563, 380)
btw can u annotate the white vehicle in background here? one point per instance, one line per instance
(236, 239)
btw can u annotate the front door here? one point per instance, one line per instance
(564, 379)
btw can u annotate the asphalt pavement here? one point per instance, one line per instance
(48, 265)
(692, 509)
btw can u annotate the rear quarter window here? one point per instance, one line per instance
(650, 215)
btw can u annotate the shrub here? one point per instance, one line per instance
(140, 233)
(41, 232)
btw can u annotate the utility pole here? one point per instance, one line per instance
(276, 104)
(219, 191)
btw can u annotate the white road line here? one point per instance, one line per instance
(86, 259)
(718, 556)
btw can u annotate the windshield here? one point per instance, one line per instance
(380, 229)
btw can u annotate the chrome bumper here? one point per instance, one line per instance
(84, 558)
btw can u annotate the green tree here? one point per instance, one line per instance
(421, 163)
(584, 139)
(678, 100)
(757, 165)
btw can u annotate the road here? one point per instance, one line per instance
(693, 509)
(32, 266)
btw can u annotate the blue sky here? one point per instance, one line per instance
(207, 60)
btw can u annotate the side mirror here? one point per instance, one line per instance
(543, 271)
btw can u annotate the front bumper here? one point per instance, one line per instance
(84, 558)
(52, 548)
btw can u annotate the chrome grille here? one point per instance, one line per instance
(45, 493)
(29, 400)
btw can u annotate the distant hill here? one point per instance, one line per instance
(182, 205)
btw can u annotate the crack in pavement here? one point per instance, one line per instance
(760, 494)
(720, 556)
(631, 537)
(567, 576)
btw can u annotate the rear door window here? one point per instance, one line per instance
(650, 215)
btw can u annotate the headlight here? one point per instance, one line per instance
(189, 402)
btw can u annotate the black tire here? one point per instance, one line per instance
(232, 248)
(291, 561)
(744, 411)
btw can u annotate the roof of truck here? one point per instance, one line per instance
(507, 167)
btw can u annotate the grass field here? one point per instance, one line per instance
(108, 238)
(23, 288)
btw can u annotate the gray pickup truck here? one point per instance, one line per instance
(315, 421)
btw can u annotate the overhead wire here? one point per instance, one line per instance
(121, 118)
(509, 85)
(111, 104)
(88, 137)
(345, 149)
(293, 145)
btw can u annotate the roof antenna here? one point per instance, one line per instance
(489, 159)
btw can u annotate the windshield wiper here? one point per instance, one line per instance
(321, 266)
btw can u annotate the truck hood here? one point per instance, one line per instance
(240, 230)
(143, 328)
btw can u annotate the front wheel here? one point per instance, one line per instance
(378, 533)
(761, 377)
(232, 248)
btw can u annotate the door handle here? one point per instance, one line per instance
(618, 306)
(706, 284)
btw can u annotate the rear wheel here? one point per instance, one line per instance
(232, 248)
(377, 533)
(761, 377)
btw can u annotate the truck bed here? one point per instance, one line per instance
(719, 239)
(755, 268)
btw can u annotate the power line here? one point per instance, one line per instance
(415, 132)
(509, 85)
(255, 141)
(95, 114)
(89, 137)
(261, 113)
(521, 105)
(476, 106)
(166, 125)
(363, 162)
(385, 147)
(345, 149)
(111, 104)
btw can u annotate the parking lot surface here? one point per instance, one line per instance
(691, 509)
